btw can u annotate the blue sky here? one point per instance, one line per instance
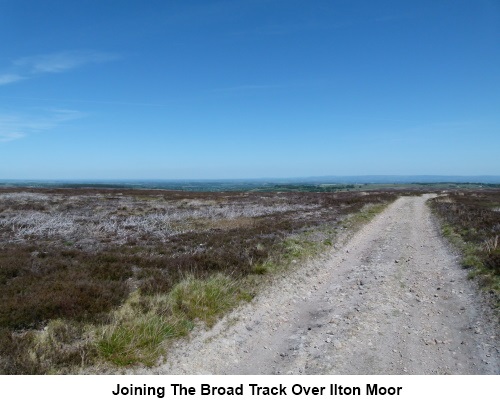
(248, 88)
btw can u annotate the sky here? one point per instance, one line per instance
(149, 89)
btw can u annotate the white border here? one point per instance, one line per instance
(88, 390)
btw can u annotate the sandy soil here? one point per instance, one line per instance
(390, 300)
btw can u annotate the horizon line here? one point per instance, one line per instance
(267, 178)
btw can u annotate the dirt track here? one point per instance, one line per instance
(392, 300)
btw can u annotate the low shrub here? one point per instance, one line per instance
(471, 221)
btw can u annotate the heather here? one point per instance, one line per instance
(111, 276)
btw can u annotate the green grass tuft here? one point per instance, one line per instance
(205, 299)
(139, 340)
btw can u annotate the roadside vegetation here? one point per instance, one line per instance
(471, 221)
(107, 278)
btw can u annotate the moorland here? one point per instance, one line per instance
(109, 277)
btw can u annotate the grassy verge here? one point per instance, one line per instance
(471, 222)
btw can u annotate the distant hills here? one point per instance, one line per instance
(316, 183)
(386, 179)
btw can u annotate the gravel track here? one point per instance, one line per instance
(390, 300)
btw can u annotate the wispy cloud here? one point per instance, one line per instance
(16, 126)
(10, 78)
(29, 66)
(62, 61)
(105, 102)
